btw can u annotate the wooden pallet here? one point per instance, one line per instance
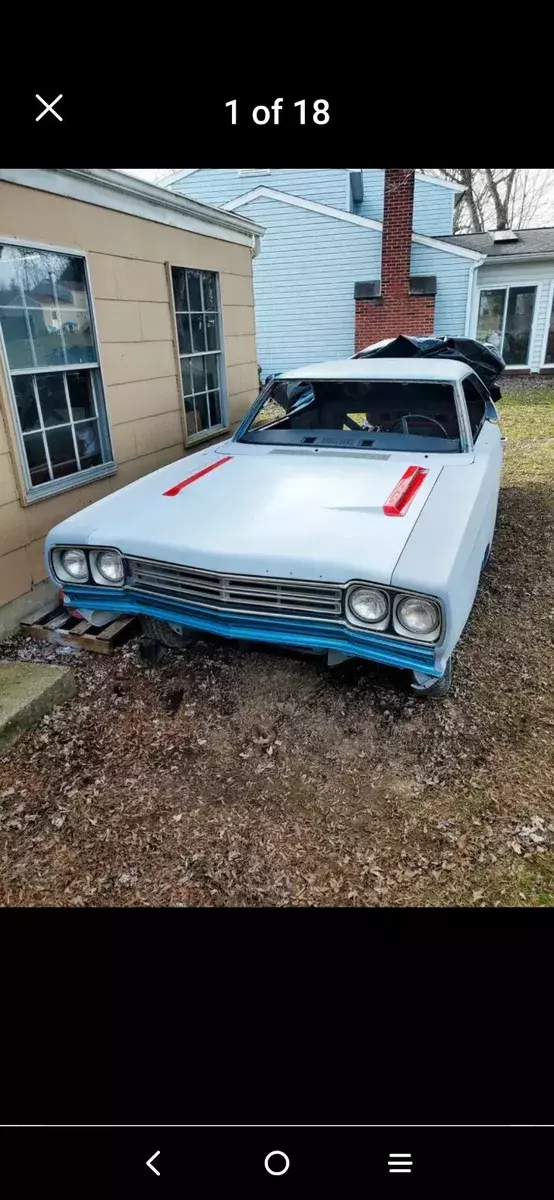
(56, 624)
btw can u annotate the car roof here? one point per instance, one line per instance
(443, 370)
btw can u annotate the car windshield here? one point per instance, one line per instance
(385, 415)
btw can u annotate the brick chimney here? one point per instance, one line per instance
(402, 303)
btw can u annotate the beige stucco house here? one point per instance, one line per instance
(126, 340)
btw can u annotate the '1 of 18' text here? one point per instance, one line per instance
(262, 113)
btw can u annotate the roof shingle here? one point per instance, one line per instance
(530, 241)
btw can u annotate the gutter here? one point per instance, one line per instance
(123, 193)
(131, 185)
(470, 292)
(515, 258)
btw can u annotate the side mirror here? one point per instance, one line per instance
(491, 412)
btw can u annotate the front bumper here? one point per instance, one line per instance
(283, 631)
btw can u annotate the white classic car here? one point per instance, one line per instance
(350, 514)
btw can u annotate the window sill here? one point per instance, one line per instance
(56, 487)
(209, 435)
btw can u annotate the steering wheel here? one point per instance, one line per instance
(403, 421)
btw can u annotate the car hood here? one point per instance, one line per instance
(316, 516)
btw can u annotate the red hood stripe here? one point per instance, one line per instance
(178, 487)
(402, 495)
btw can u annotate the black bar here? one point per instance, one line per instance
(120, 117)
(211, 1161)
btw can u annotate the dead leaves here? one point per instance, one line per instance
(230, 776)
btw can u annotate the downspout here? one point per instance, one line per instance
(470, 292)
(256, 245)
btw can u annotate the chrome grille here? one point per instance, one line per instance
(237, 593)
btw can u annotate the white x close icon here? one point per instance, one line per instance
(48, 107)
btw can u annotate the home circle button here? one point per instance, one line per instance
(277, 1162)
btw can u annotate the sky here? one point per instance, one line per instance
(151, 174)
(545, 215)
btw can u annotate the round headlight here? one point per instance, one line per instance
(368, 604)
(75, 563)
(418, 616)
(110, 565)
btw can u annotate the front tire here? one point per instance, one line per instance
(175, 637)
(438, 689)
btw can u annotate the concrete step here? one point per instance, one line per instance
(27, 692)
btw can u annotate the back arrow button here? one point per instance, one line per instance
(150, 1161)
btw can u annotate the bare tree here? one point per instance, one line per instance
(493, 199)
(500, 198)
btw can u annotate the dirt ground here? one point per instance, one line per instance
(240, 776)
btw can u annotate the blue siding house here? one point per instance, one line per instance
(353, 255)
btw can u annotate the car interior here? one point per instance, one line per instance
(413, 410)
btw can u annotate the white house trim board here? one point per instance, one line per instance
(123, 193)
(436, 244)
(326, 210)
(540, 256)
(534, 323)
(445, 183)
(549, 303)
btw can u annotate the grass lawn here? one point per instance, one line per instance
(526, 510)
(529, 415)
(236, 776)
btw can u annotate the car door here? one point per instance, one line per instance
(488, 449)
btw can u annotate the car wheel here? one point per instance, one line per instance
(440, 688)
(176, 637)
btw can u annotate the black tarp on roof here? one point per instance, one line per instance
(487, 363)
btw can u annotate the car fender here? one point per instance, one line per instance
(444, 554)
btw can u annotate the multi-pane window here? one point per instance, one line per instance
(549, 355)
(52, 358)
(506, 319)
(196, 297)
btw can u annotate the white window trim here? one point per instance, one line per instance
(67, 482)
(544, 366)
(193, 439)
(505, 287)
